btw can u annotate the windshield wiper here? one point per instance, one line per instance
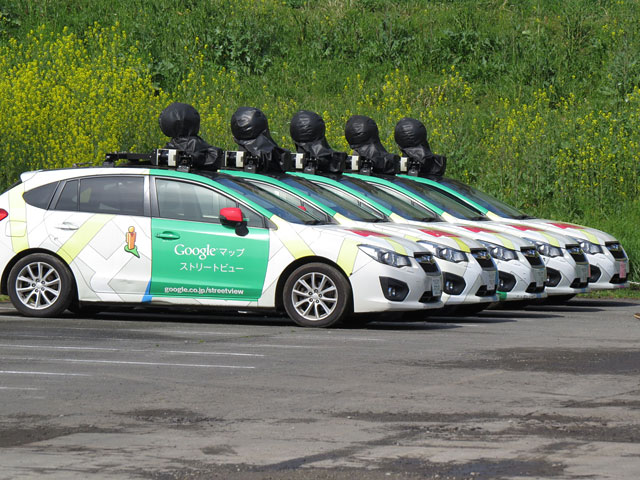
(429, 219)
(524, 216)
(315, 222)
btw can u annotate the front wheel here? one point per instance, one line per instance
(316, 295)
(40, 285)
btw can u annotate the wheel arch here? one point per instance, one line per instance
(24, 253)
(303, 261)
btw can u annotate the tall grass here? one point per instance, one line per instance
(535, 101)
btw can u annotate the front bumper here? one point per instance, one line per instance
(367, 283)
(608, 273)
(479, 283)
(519, 280)
(565, 276)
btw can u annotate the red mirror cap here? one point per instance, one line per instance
(231, 214)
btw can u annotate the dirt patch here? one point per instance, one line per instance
(572, 361)
(17, 436)
(397, 469)
(219, 450)
(171, 417)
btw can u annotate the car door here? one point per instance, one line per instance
(101, 226)
(194, 255)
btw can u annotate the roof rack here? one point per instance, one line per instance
(163, 157)
(242, 160)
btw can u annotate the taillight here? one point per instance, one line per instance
(3, 214)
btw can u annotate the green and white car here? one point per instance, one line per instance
(80, 237)
(608, 261)
(567, 267)
(470, 276)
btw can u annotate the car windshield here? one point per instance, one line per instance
(270, 202)
(484, 199)
(338, 200)
(402, 206)
(446, 202)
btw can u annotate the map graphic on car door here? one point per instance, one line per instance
(195, 256)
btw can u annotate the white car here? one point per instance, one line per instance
(469, 274)
(82, 237)
(567, 267)
(608, 261)
(521, 272)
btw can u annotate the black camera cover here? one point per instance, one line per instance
(411, 137)
(181, 122)
(364, 138)
(308, 132)
(250, 130)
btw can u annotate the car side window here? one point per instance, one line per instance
(40, 196)
(121, 195)
(196, 203)
(118, 195)
(68, 199)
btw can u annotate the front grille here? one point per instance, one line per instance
(553, 277)
(578, 284)
(426, 261)
(533, 288)
(483, 292)
(616, 250)
(532, 256)
(429, 297)
(482, 257)
(617, 280)
(576, 253)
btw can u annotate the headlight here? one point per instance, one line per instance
(546, 249)
(445, 253)
(588, 247)
(386, 256)
(499, 252)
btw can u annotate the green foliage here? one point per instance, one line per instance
(535, 101)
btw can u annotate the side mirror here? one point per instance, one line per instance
(231, 217)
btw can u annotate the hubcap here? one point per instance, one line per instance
(38, 285)
(314, 296)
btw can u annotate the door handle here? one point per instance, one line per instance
(67, 226)
(168, 236)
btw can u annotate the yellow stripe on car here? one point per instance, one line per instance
(552, 240)
(396, 246)
(290, 239)
(89, 229)
(18, 219)
(347, 255)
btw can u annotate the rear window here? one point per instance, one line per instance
(40, 196)
(123, 195)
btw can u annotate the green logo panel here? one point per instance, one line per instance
(207, 260)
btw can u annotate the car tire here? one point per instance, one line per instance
(40, 285)
(316, 295)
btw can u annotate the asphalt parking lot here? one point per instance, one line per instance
(551, 392)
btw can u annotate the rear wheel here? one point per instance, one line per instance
(316, 295)
(40, 285)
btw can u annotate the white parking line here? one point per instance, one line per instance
(20, 388)
(122, 362)
(18, 372)
(322, 336)
(155, 330)
(101, 349)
